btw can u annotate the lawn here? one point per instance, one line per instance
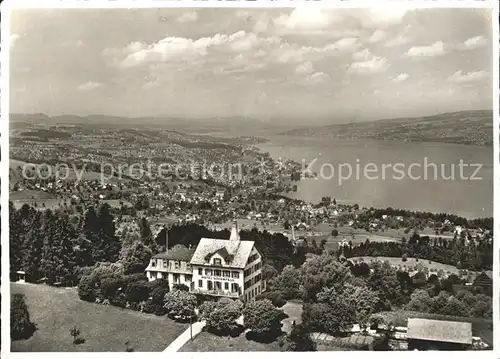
(293, 309)
(104, 328)
(411, 262)
(207, 342)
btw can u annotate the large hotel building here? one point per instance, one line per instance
(219, 267)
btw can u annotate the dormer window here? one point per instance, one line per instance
(217, 261)
(153, 263)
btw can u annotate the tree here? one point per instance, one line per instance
(320, 271)
(21, 326)
(335, 233)
(364, 300)
(75, 333)
(136, 258)
(221, 316)
(288, 282)
(404, 257)
(145, 232)
(262, 318)
(180, 304)
(299, 340)
(384, 280)
(333, 317)
(455, 307)
(420, 301)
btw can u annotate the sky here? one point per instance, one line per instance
(309, 64)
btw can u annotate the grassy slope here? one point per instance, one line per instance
(411, 262)
(468, 127)
(104, 328)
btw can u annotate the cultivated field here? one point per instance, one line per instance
(105, 328)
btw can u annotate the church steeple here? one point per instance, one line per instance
(235, 235)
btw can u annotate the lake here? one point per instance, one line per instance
(370, 185)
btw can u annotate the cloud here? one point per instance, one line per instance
(468, 77)
(377, 36)
(305, 68)
(436, 49)
(401, 77)
(88, 86)
(367, 63)
(285, 52)
(305, 18)
(169, 48)
(13, 39)
(317, 78)
(382, 17)
(188, 17)
(397, 41)
(474, 43)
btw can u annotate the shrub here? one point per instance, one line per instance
(182, 287)
(263, 319)
(86, 289)
(136, 292)
(180, 305)
(21, 326)
(276, 297)
(221, 316)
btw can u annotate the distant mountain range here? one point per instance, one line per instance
(465, 127)
(223, 126)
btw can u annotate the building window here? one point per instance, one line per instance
(153, 263)
(200, 283)
(234, 287)
(188, 277)
(235, 274)
(217, 261)
(177, 264)
(210, 285)
(226, 273)
(165, 263)
(153, 275)
(217, 272)
(226, 285)
(218, 285)
(176, 278)
(208, 272)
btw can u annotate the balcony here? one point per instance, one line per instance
(218, 293)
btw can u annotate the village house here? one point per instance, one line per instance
(217, 267)
(427, 334)
(173, 266)
(228, 268)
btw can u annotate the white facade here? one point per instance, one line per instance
(172, 268)
(227, 268)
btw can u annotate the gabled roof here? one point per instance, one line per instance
(483, 280)
(177, 253)
(235, 253)
(440, 330)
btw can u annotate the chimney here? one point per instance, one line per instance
(235, 234)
